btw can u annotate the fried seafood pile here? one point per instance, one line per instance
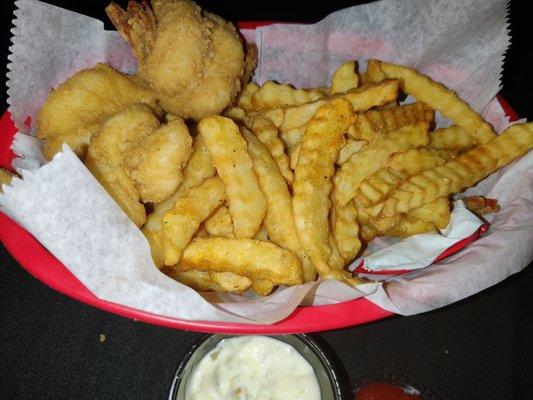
(238, 186)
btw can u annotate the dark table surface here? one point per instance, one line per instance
(52, 347)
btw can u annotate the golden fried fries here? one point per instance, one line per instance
(181, 222)
(373, 72)
(279, 220)
(461, 172)
(439, 98)
(228, 150)
(244, 99)
(373, 157)
(155, 164)
(262, 287)
(220, 223)
(78, 108)
(349, 149)
(345, 230)
(312, 185)
(105, 157)
(399, 167)
(267, 133)
(344, 78)
(274, 95)
(451, 138)
(375, 123)
(211, 282)
(247, 257)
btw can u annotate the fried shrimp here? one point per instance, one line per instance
(192, 60)
(79, 107)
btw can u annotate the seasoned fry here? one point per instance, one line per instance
(373, 157)
(461, 172)
(262, 287)
(428, 218)
(262, 233)
(279, 220)
(181, 222)
(238, 115)
(219, 223)
(400, 166)
(345, 230)
(274, 95)
(267, 133)
(440, 98)
(198, 168)
(105, 157)
(375, 123)
(294, 153)
(5, 177)
(78, 108)
(247, 257)
(480, 205)
(373, 72)
(312, 185)
(155, 164)
(349, 149)
(244, 99)
(228, 150)
(361, 99)
(229, 282)
(345, 78)
(204, 282)
(451, 138)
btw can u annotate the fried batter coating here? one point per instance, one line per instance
(79, 107)
(192, 60)
(155, 165)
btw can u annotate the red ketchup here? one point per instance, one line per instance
(383, 391)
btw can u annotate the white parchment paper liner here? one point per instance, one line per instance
(460, 43)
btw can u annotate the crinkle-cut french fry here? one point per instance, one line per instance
(373, 157)
(480, 205)
(438, 97)
(262, 287)
(181, 222)
(238, 115)
(344, 78)
(273, 95)
(373, 72)
(461, 172)
(267, 133)
(293, 136)
(198, 168)
(244, 99)
(367, 233)
(202, 281)
(230, 282)
(445, 154)
(428, 218)
(279, 219)
(349, 149)
(105, 157)
(312, 184)
(400, 166)
(361, 99)
(5, 177)
(345, 230)
(219, 223)
(335, 261)
(262, 234)
(247, 257)
(155, 164)
(376, 123)
(451, 138)
(294, 153)
(229, 152)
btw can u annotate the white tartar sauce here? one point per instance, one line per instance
(252, 368)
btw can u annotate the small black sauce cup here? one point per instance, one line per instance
(331, 376)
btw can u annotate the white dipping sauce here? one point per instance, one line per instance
(252, 368)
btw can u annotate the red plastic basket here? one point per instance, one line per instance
(40, 263)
